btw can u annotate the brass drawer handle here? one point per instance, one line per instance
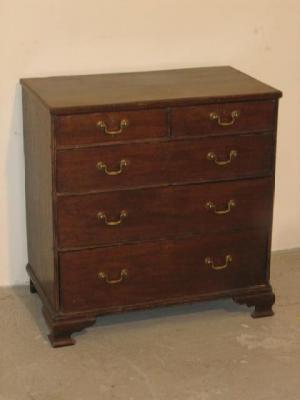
(123, 124)
(102, 216)
(209, 261)
(211, 206)
(234, 116)
(101, 166)
(211, 156)
(123, 275)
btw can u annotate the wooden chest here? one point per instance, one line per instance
(147, 189)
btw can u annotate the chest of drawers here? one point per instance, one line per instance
(148, 189)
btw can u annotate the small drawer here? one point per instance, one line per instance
(117, 277)
(148, 164)
(224, 119)
(128, 216)
(87, 129)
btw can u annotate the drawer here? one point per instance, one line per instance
(225, 118)
(178, 161)
(124, 216)
(86, 129)
(117, 277)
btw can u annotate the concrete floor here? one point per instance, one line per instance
(208, 351)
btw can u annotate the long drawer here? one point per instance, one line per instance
(115, 277)
(133, 215)
(150, 164)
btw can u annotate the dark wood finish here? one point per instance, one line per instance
(163, 213)
(77, 94)
(262, 302)
(62, 325)
(163, 242)
(39, 208)
(62, 329)
(196, 121)
(152, 164)
(161, 269)
(82, 129)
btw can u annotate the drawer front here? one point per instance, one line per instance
(181, 161)
(115, 277)
(124, 216)
(85, 129)
(228, 118)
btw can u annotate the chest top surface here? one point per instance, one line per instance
(71, 94)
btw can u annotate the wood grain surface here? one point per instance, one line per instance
(68, 94)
